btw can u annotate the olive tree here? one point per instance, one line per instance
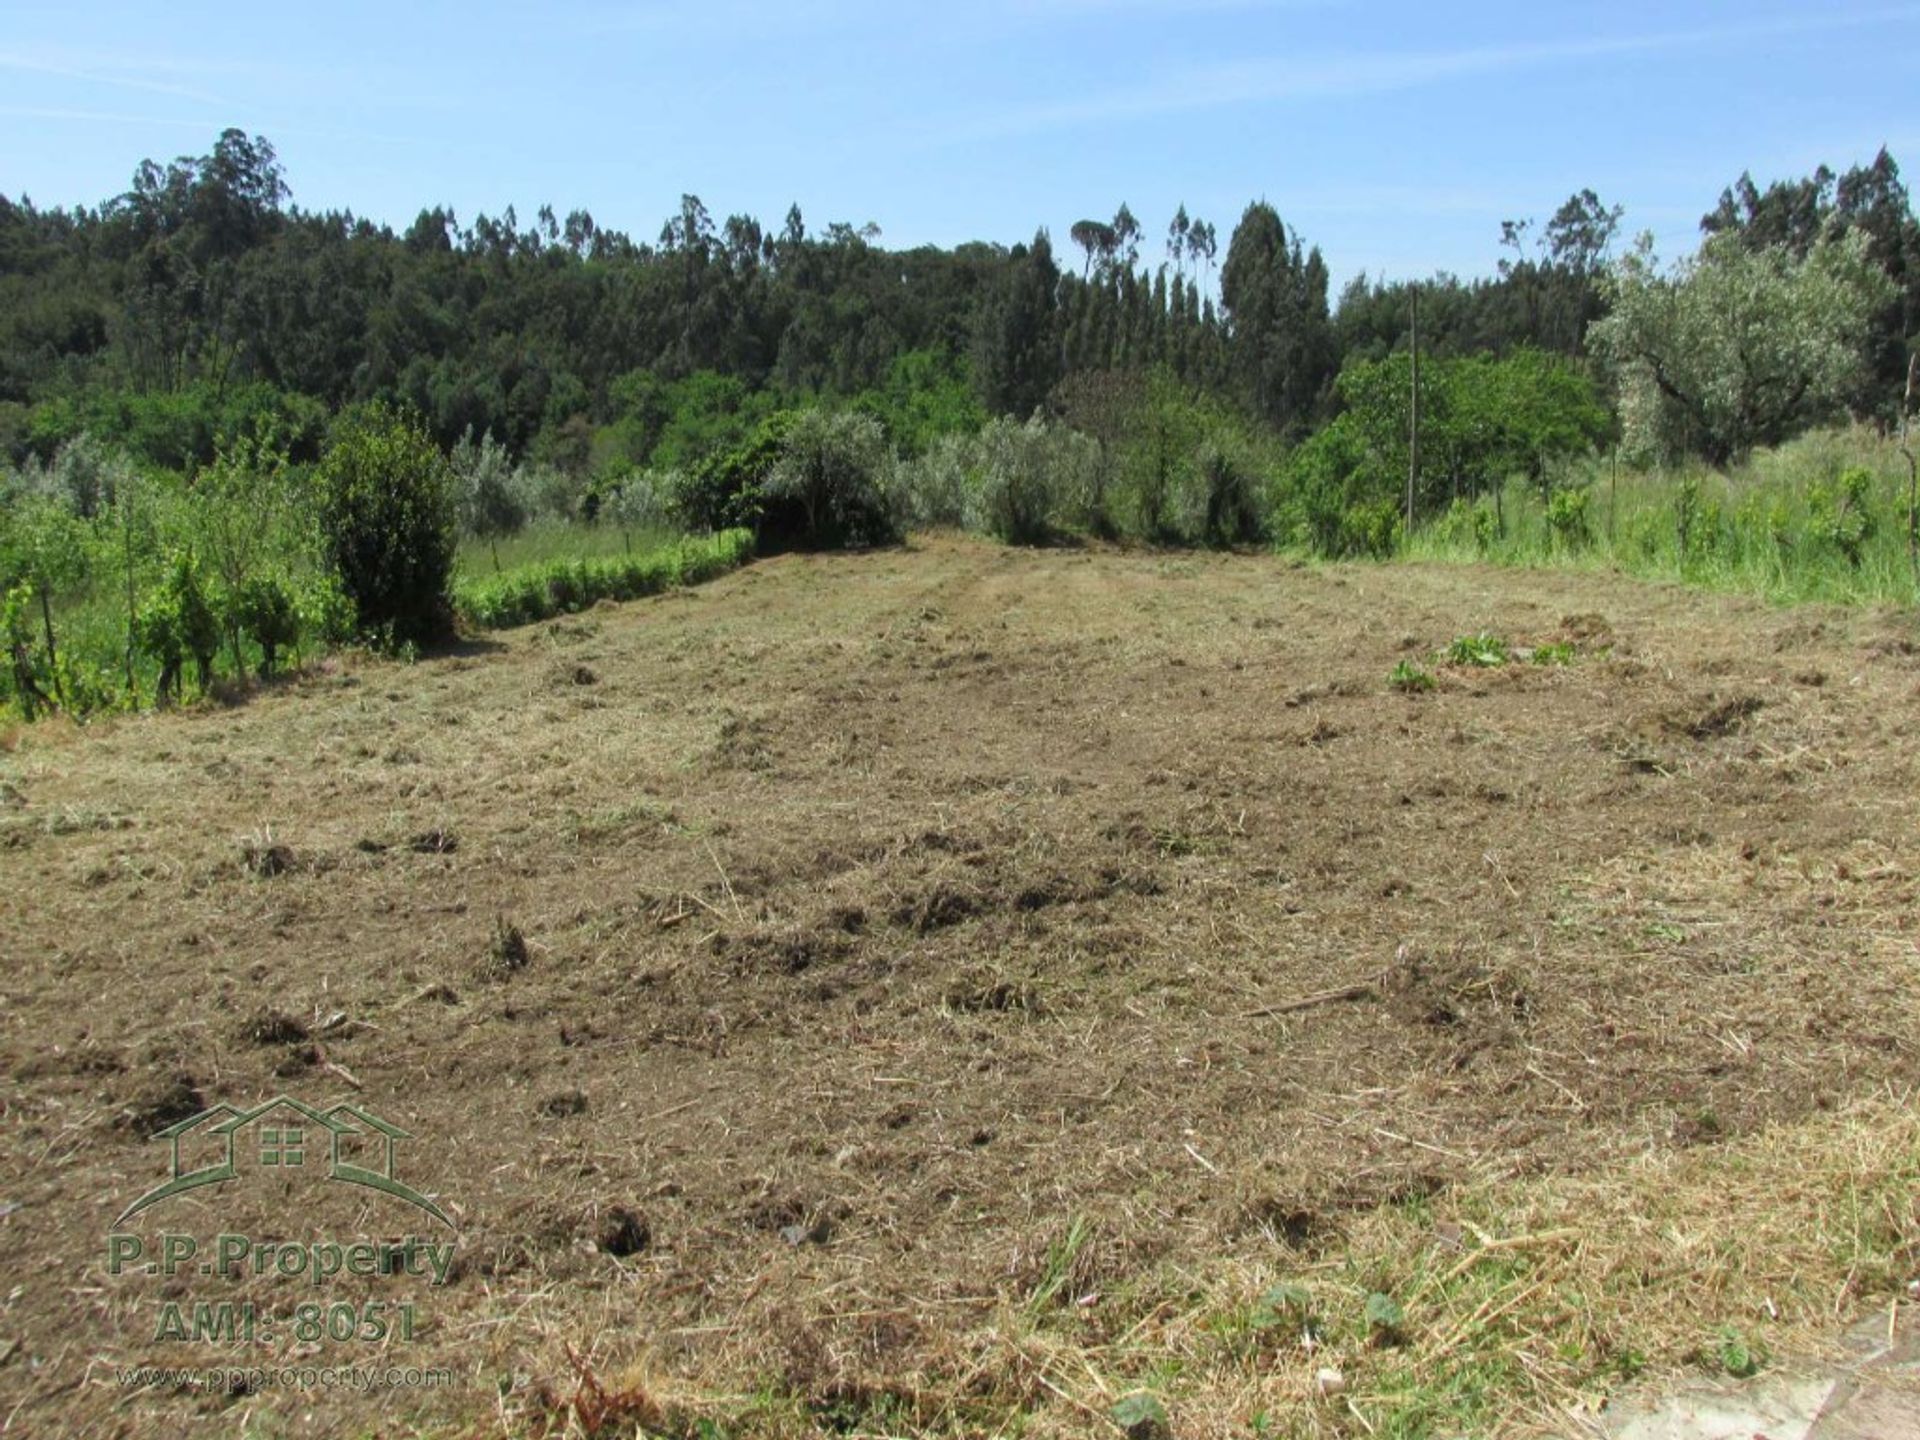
(1735, 346)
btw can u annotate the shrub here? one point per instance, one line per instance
(23, 673)
(1011, 492)
(240, 510)
(43, 546)
(640, 500)
(86, 475)
(1468, 523)
(1369, 528)
(933, 489)
(725, 490)
(1217, 500)
(1840, 512)
(1697, 523)
(829, 485)
(1567, 518)
(1026, 480)
(265, 612)
(177, 623)
(325, 610)
(490, 494)
(556, 490)
(387, 518)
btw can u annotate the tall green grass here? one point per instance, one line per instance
(546, 540)
(1781, 525)
(559, 586)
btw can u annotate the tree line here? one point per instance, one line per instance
(207, 393)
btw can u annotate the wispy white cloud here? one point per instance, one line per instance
(151, 75)
(1347, 75)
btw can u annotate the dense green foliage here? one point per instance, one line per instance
(199, 301)
(1482, 420)
(387, 517)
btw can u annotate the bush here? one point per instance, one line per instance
(725, 490)
(1567, 518)
(640, 500)
(387, 519)
(1027, 480)
(24, 673)
(177, 623)
(1365, 528)
(1468, 523)
(265, 612)
(86, 475)
(1323, 493)
(1217, 499)
(490, 494)
(933, 489)
(1010, 490)
(1840, 512)
(1697, 524)
(829, 485)
(325, 610)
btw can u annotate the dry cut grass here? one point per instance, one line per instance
(955, 990)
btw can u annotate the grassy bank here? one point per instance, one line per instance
(1825, 517)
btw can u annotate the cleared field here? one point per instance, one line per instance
(964, 979)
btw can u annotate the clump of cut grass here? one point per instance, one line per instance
(508, 954)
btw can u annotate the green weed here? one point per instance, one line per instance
(1484, 651)
(1410, 679)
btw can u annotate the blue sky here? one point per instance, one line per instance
(1394, 135)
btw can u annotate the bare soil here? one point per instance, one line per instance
(773, 976)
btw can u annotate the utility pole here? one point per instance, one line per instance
(1613, 494)
(1913, 468)
(1413, 416)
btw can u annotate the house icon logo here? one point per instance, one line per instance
(356, 1146)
